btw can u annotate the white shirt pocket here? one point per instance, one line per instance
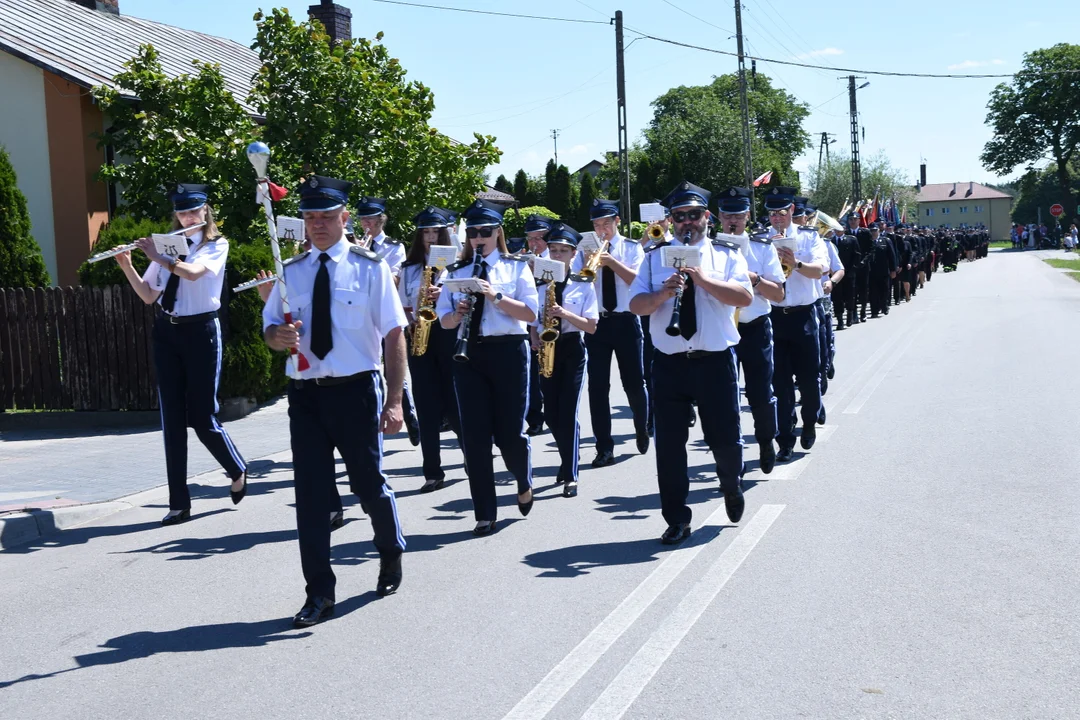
(349, 308)
(299, 303)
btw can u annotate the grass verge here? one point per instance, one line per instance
(1074, 275)
(1001, 244)
(1063, 264)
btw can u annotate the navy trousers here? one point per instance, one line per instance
(535, 415)
(562, 398)
(345, 418)
(825, 332)
(796, 358)
(647, 362)
(710, 382)
(433, 380)
(755, 352)
(187, 358)
(618, 334)
(492, 393)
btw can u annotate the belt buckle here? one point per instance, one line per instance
(318, 381)
(174, 319)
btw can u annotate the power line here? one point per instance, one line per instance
(489, 12)
(667, 2)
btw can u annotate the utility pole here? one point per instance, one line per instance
(748, 162)
(555, 137)
(823, 150)
(856, 168)
(624, 143)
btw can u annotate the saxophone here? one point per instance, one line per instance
(425, 314)
(549, 333)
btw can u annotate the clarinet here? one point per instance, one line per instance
(673, 328)
(461, 349)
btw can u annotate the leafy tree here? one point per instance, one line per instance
(503, 185)
(1038, 115)
(582, 220)
(21, 264)
(559, 193)
(1039, 189)
(673, 174)
(521, 186)
(643, 182)
(830, 186)
(514, 221)
(122, 230)
(549, 181)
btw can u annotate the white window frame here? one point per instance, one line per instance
(929, 212)
(944, 211)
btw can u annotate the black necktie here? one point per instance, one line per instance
(478, 307)
(322, 341)
(560, 288)
(168, 298)
(688, 318)
(611, 298)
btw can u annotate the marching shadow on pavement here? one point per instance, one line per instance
(357, 553)
(199, 548)
(199, 638)
(577, 560)
(80, 535)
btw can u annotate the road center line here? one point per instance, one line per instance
(868, 365)
(549, 691)
(632, 679)
(856, 405)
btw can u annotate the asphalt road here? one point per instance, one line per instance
(919, 562)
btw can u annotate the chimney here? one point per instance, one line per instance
(112, 7)
(971, 189)
(922, 174)
(953, 190)
(337, 20)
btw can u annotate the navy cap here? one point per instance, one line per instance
(561, 233)
(734, 200)
(450, 215)
(687, 194)
(800, 206)
(602, 208)
(323, 193)
(483, 214)
(430, 217)
(538, 223)
(780, 198)
(188, 196)
(810, 209)
(370, 206)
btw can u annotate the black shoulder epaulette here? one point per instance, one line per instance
(457, 265)
(295, 258)
(391, 241)
(365, 253)
(763, 239)
(725, 243)
(660, 244)
(579, 278)
(216, 238)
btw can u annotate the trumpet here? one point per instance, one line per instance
(425, 314)
(461, 349)
(592, 265)
(656, 232)
(674, 327)
(133, 246)
(254, 283)
(549, 332)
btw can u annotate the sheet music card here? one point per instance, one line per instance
(552, 270)
(790, 243)
(462, 285)
(590, 243)
(439, 256)
(680, 256)
(170, 245)
(741, 240)
(651, 212)
(290, 228)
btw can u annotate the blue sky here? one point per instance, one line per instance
(519, 79)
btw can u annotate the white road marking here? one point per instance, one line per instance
(868, 365)
(856, 405)
(632, 679)
(549, 691)
(783, 471)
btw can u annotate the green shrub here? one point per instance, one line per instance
(514, 223)
(122, 230)
(637, 230)
(21, 264)
(249, 368)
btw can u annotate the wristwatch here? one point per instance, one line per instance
(498, 298)
(798, 265)
(756, 281)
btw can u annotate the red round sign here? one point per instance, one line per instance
(1057, 210)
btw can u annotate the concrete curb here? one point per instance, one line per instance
(21, 528)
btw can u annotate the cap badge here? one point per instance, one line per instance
(686, 186)
(595, 201)
(180, 189)
(732, 192)
(313, 183)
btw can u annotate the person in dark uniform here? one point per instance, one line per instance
(847, 248)
(882, 267)
(755, 348)
(345, 298)
(862, 274)
(576, 311)
(796, 353)
(698, 363)
(536, 230)
(187, 342)
(618, 332)
(432, 371)
(834, 275)
(493, 383)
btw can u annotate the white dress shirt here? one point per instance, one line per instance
(364, 308)
(392, 253)
(579, 298)
(409, 285)
(835, 265)
(630, 254)
(203, 295)
(761, 258)
(715, 320)
(512, 278)
(801, 290)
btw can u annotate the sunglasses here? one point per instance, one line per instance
(694, 215)
(781, 213)
(484, 232)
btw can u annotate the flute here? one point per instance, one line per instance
(133, 246)
(254, 283)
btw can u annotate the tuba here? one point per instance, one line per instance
(549, 333)
(425, 314)
(592, 266)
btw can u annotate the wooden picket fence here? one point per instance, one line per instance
(78, 348)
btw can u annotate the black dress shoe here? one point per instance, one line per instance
(824, 384)
(784, 454)
(768, 457)
(337, 520)
(839, 324)
(809, 435)
(734, 504)
(603, 459)
(821, 415)
(315, 610)
(675, 534)
(484, 527)
(693, 417)
(525, 507)
(237, 496)
(831, 372)
(642, 442)
(181, 517)
(570, 489)
(389, 575)
(535, 430)
(432, 484)
(412, 425)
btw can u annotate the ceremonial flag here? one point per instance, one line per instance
(764, 179)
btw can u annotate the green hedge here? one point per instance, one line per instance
(514, 223)
(123, 230)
